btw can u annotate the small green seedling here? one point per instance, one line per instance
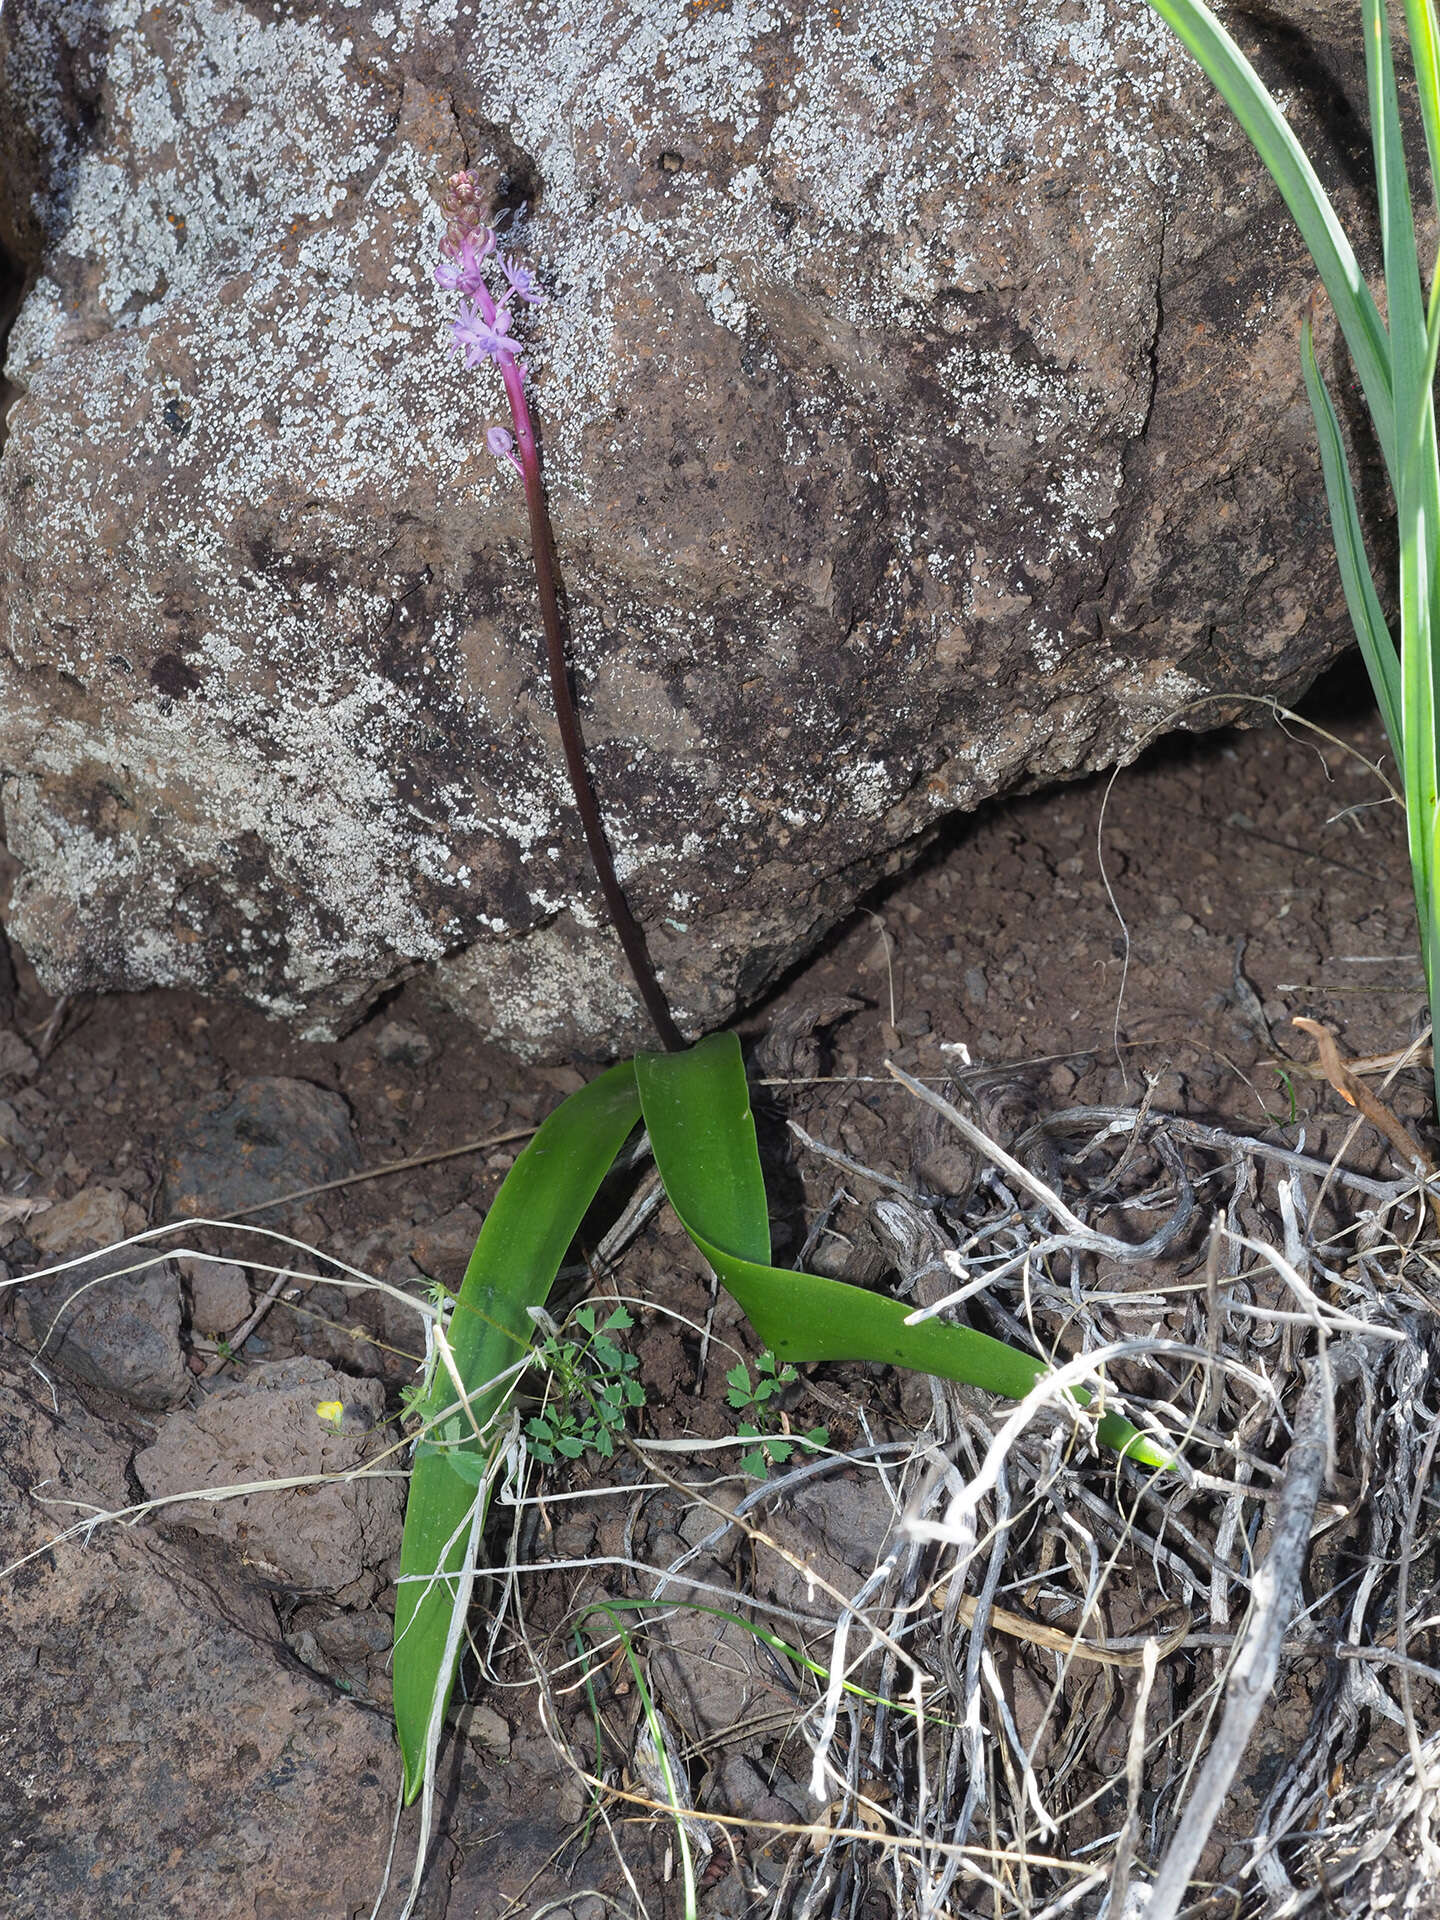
(752, 1399)
(595, 1389)
(415, 1397)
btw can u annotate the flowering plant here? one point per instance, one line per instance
(693, 1103)
(482, 332)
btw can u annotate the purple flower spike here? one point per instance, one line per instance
(482, 332)
(462, 271)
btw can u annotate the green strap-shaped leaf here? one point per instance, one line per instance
(1416, 486)
(1425, 52)
(1372, 630)
(531, 1223)
(696, 1107)
(1396, 366)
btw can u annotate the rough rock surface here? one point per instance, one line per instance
(336, 1539)
(922, 414)
(168, 1757)
(109, 1326)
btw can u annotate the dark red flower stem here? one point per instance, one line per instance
(632, 939)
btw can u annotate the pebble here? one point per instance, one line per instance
(230, 1152)
(17, 1060)
(400, 1045)
(121, 1333)
(219, 1293)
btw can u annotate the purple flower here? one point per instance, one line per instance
(479, 339)
(522, 280)
(462, 270)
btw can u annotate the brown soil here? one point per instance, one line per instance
(1260, 875)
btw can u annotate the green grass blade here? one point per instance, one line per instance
(1404, 299)
(1417, 485)
(1420, 527)
(670, 1771)
(1288, 165)
(697, 1109)
(1377, 646)
(1418, 677)
(529, 1228)
(1425, 52)
(764, 1635)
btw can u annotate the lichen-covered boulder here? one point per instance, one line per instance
(922, 418)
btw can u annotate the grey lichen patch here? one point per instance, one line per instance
(848, 385)
(236, 132)
(518, 984)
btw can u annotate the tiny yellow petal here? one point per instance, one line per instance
(332, 1412)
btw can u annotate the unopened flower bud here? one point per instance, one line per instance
(502, 444)
(465, 204)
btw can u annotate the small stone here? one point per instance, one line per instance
(219, 1293)
(442, 1248)
(231, 1152)
(706, 1671)
(485, 1728)
(115, 1329)
(740, 1788)
(698, 1523)
(400, 1045)
(573, 1540)
(17, 1061)
(93, 1218)
(946, 1168)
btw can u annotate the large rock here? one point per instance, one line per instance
(168, 1756)
(922, 417)
(337, 1539)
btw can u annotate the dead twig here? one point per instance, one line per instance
(379, 1173)
(1040, 1634)
(1356, 1094)
(1275, 1591)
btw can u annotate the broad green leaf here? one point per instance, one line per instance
(696, 1107)
(529, 1227)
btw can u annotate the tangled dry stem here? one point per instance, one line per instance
(1068, 1685)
